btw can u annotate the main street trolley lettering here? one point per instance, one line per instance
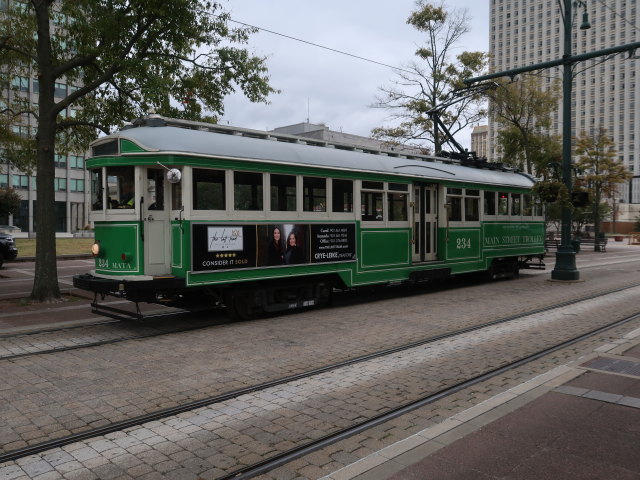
(261, 222)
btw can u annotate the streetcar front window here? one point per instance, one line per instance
(120, 187)
(155, 189)
(97, 190)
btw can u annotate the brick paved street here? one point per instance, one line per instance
(51, 395)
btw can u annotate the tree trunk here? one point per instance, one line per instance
(45, 284)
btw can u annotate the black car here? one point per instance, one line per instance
(8, 250)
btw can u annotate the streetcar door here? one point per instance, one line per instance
(156, 223)
(424, 222)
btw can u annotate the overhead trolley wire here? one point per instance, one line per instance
(321, 46)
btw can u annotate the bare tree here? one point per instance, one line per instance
(427, 82)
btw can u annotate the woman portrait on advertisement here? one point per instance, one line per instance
(275, 249)
(294, 253)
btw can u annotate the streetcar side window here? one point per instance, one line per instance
(314, 194)
(342, 195)
(527, 205)
(208, 189)
(247, 191)
(397, 202)
(176, 195)
(283, 193)
(472, 205)
(503, 203)
(516, 204)
(372, 206)
(97, 189)
(489, 203)
(120, 187)
(454, 200)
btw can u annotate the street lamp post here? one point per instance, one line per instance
(565, 268)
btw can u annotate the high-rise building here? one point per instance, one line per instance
(605, 90)
(479, 138)
(71, 181)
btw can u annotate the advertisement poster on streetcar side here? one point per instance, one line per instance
(230, 247)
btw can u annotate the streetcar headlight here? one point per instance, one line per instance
(95, 249)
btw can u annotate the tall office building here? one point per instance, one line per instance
(71, 180)
(605, 94)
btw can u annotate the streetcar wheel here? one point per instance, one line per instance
(240, 306)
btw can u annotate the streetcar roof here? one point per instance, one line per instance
(186, 141)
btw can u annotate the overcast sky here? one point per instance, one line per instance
(328, 87)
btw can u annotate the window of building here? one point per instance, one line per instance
(314, 194)
(342, 195)
(60, 161)
(76, 185)
(247, 191)
(20, 181)
(60, 90)
(20, 83)
(4, 180)
(283, 193)
(60, 184)
(208, 189)
(76, 161)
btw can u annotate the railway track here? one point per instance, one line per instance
(292, 454)
(285, 456)
(46, 341)
(106, 332)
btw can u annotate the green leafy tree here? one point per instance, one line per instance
(121, 59)
(602, 174)
(428, 82)
(9, 201)
(522, 110)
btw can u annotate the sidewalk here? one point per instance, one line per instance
(578, 421)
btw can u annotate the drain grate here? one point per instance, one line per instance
(625, 367)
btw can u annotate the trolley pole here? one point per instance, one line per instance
(565, 268)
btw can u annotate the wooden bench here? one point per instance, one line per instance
(592, 241)
(551, 243)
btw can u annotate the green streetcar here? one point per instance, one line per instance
(262, 222)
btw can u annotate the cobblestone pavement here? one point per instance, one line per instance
(108, 331)
(50, 395)
(213, 440)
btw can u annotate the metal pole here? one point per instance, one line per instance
(565, 268)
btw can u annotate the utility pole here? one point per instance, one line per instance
(565, 268)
